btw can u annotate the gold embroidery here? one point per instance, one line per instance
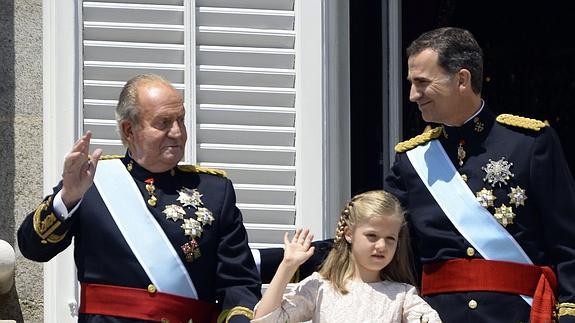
(565, 309)
(521, 122)
(418, 140)
(45, 228)
(204, 170)
(225, 316)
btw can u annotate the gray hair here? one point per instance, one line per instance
(127, 108)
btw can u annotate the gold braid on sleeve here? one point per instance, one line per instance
(45, 227)
(226, 315)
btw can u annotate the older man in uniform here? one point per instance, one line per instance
(153, 241)
(490, 199)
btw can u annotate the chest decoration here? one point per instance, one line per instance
(497, 172)
(193, 228)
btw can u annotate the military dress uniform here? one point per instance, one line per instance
(196, 210)
(516, 169)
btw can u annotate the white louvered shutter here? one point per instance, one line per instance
(234, 62)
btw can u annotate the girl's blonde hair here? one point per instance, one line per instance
(339, 266)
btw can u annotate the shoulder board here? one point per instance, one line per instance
(202, 170)
(521, 122)
(418, 140)
(107, 157)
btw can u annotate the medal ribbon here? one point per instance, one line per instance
(142, 232)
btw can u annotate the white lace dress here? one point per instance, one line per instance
(315, 299)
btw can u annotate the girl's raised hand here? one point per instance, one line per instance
(299, 249)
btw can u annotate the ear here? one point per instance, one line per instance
(127, 130)
(464, 78)
(348, 235)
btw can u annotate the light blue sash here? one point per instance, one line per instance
(473, 221)
(142, 232)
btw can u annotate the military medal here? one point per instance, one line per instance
(174, 212)
(461, 152)
(190, 197)
(485, 197)
(191, 250)
(497, 172)
(152, 201)
(504, 215)
(204, 216)
(517, 196)
(479, 126)
(192, 228)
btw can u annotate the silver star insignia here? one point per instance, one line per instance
(497, 172)
(504, 215)
(174, 212)
(204, 216)
(190, 197)
(485, 197)
(192, 228)
(517, 196)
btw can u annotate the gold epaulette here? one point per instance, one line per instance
(46, 223)
(226, 315)
(565, 309)
(108, 157)
(203, 170)
(521, 122)
(418, 140)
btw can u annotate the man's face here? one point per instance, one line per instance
(435, 92)
(158, 142)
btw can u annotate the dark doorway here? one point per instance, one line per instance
(529, 56)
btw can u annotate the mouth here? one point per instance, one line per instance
(422, 105)
(378, 256)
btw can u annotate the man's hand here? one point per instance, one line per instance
(298, 250)
(79, 171)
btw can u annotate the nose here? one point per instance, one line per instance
(177, 129)
(380, 245)
(414, 93)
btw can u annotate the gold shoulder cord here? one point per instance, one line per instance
(521, 122)
(418, 140)
(204, 170)
(108, 157)
(564, 309)
(226, 315)
(45, 228)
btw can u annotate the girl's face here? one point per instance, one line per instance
(373, 244)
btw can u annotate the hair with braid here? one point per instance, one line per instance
(339, 265)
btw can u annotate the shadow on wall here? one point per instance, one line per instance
(9, 305)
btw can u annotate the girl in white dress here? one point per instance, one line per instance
(365, 278)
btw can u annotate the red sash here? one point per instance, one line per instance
(140, 304)
(467, 275)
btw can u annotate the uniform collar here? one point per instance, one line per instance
(475, 129)
(140, 173)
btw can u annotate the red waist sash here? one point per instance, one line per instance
(140, 304)
(468, 275)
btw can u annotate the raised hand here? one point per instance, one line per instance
(79, 171)
(298, 250)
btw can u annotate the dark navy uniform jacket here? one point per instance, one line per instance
(544, 226)
(225, 272)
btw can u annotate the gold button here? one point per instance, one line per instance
(472, 304)
(470, 252)
(164, 320)
(152, 289)
(464, 177)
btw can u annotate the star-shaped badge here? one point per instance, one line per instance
(504, 215)
(174, 212)
(517, 196)
(204, 216)
(497, 172)
(485, 197)
(190, 197)
(192, 228)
